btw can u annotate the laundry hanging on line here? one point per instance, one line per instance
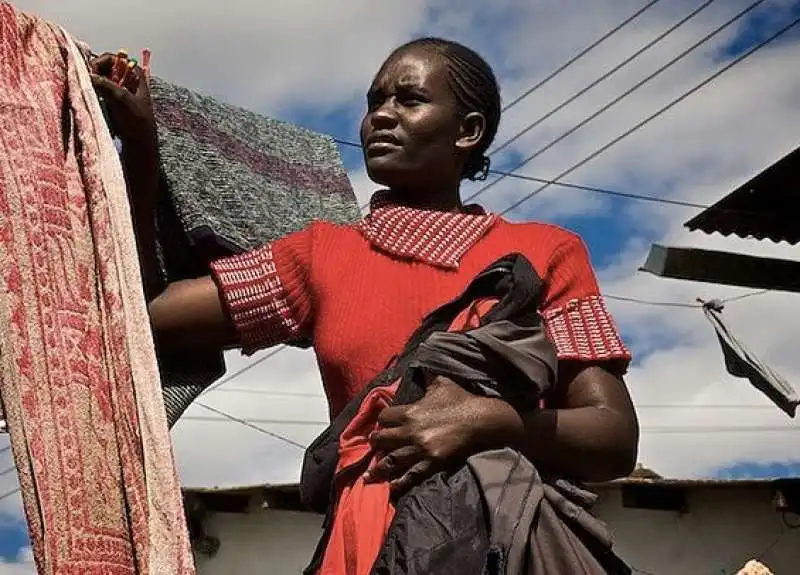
(78, 375)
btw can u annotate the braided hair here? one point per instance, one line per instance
(476, 89)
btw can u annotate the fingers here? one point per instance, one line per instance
(103, 64)
(393, 465)
(122, 70)
(415, 475)
(393, 416)
(138, 83)
(389, 438)
(110, 89)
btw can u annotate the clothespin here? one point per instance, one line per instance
(120, 66)
(146, 62)
(716, 305)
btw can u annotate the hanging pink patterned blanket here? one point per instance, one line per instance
(78, 376)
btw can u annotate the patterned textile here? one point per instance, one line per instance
(234, 181)
(436, 238)
(242, 178)
(78, 375)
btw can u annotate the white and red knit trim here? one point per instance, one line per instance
(255, 299)
(584, 330)
(436, 238)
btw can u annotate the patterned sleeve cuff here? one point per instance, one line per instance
(256, 299)
(584, 330)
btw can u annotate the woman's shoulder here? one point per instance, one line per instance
(333, 229)
(542, 234)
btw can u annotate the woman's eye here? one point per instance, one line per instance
(411, 99)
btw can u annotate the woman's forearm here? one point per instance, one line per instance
(141, 176)
(584, 443)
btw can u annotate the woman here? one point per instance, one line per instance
(359, 291)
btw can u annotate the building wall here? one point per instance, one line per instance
(265, 542)
(722, 530)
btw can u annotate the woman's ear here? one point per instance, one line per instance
(473, 127)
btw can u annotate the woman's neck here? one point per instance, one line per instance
(448, 200)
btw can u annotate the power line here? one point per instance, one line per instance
(580, 54)
(9, 494)
(629, 299)
(653, 116)
(251, 425)
(593, 189)
(747, 295)
(701, 406)
(246, 368)
(602, 77)
(226, 418)
(269, 392)
(624, 299)
(7, 471)
(720, 429)
(598, 152)
(621, 97)
(651, 302)
(666, 429)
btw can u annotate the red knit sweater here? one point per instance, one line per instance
(360, 291)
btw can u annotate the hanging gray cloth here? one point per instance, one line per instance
(242, 178)
(739, 362)
(232, 180)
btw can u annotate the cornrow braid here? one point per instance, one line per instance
(476, 89)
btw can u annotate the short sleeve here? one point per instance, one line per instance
(267, 291)
(574, 312)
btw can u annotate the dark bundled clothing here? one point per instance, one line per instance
(494, 514)
(232, 180)
(740, 362)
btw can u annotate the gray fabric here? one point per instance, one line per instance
(233, 180)
(244, 178)
(492, 358)
(739, 362)
(536, 526)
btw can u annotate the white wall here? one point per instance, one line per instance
(265, 542)
(723, 529)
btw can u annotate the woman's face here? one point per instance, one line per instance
(412, 123)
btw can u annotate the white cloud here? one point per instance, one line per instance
(261, 54)
(321, 57)
(23, 565)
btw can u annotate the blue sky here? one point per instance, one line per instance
(13, 537)
(697, 152)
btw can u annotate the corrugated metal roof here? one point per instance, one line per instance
(765, 207)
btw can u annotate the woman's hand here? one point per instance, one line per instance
(129, 105)
(445, 427)
(130, 111)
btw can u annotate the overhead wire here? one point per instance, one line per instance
(622, 96)
(600, 79)
(547, 183)
(663, 429)
(592, 189)
(251, 425)
(256, 420)
(244, 369)
(9, 494)
(580, 55)
(639, 125)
